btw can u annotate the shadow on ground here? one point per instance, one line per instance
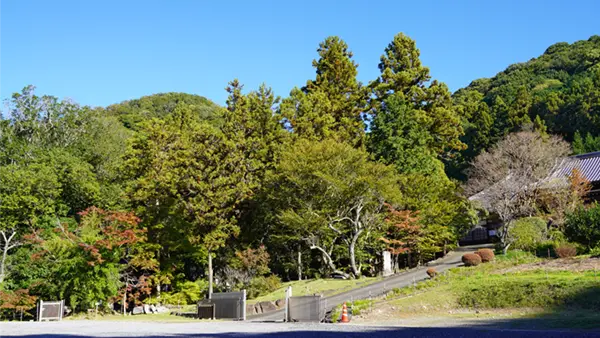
(371, 333)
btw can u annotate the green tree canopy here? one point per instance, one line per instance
(330, 195)
(428, 104)
(131, 113)
(186, 179)
(333, 103)
(557, 91)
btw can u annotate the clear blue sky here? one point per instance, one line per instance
(102, 52)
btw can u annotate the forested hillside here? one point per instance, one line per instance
(130, 113)
(558, 92)
(143, 201)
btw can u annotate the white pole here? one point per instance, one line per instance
(286, 310)
(244, 304)
(40, 310)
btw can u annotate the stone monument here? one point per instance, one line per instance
(387, 263)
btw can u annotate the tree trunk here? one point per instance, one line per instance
(6, 247)
(329, 261)
(505, 248)
(3, 262)
(125, 298)
(299, 264)
(355, 271)
(352, 252)
(210, 276)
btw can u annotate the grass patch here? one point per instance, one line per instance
(530, 289)
(326, 287)
(356, 308)
(486, 287)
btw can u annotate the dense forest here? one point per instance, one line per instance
(141, 201)
(558, 92)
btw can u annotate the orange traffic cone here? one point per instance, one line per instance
(345, 314)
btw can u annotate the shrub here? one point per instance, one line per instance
(546, 249)
(487, 255)
(431, 272)
(595, 252)
(186, 293)
(261, 285)
(527, 233)
(471, 259)
(583, 226)
(566, 250)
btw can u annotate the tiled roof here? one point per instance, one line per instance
(588, 164)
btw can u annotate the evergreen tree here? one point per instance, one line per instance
(331, 105)
(500, 109)
(478, 123)
(428, 104)
(540, 125)
(591, 143)
(186, 178)
(518, 115)
(399, 137)
(578, 144)
(250, 121)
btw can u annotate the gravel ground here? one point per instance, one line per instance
(73, 329)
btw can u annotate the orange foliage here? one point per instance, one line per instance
(19, 300)
(404, 231)
(254, 259)
(579, 185)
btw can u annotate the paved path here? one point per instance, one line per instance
(407, 278)
(201, 329)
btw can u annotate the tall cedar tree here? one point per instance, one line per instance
(187, 178)
(333, 103)
(251, 122)
(428, 104)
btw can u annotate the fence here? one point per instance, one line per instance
(50, 310)
(227, 305)
(305, 309)
(475, 236)
(206, 311)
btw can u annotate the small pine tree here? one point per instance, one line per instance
(578, 144)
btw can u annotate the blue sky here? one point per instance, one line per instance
(102, 52)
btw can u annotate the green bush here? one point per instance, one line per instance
(595, 252)
(527, 233)
(186, 293)
(546, 249)
(261, 285)
(583, 226)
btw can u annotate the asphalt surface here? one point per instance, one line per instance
(407, 278)
(117, 329)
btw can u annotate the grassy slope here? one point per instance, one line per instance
(529, 298)
(327, 287)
